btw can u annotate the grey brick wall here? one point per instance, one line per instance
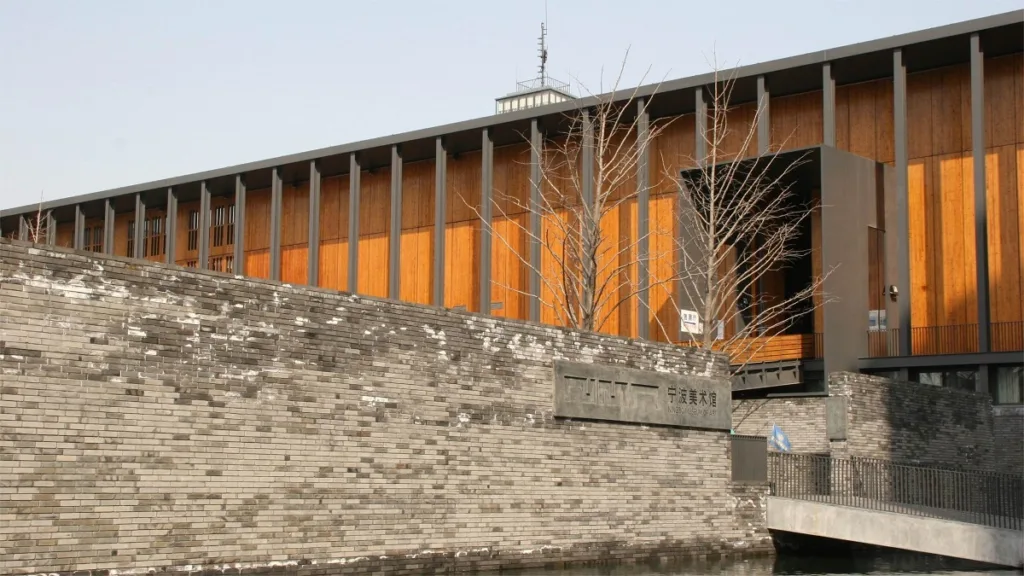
(1008, 428)
(802, 420)
(156, 417)
(915, 423)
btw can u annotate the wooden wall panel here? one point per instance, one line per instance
(740, 133)
(511, 180)
(462, 234)
(417, 249)
(462, 268)
(1004, 174)
(66, 234)
(417, 239)
(417, 195)
(510, 231)
(796, 121)
(941, 200)
(671, 150)
(257, 232)
(864, 119)
(334, 200)
(374, 227)
(295, 233)
(121, 232)
(664, 313)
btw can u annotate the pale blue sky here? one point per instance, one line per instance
(104, 93)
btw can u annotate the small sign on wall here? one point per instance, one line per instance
(599, 392)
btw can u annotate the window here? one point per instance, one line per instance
(93, 240)
(193, 230)
(223, 264)
(131, 238)
(1007, 385)
(153, 237)
(222, 225)
(950, 378)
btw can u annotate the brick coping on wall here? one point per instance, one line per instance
(134, 262)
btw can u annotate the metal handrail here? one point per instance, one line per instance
(976, 497)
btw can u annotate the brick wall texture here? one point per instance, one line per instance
(157, 417)
(801, 419)
(916, 423)
(1008, 427)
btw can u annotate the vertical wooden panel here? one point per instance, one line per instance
(257, 233)
(664, 310)
(462, 237)
(509, 253)
(121, 233)
(671, 150)
(796, 121)
(1003, 191)
(374, 228)
(417, 231)
(334, 233)
(294, 232)
(66, 234)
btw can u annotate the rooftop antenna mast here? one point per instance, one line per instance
(543, 50)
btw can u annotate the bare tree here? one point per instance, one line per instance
(39, 225)
(587, 173)
(740, 225)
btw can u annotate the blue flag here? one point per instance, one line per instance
(778, 439)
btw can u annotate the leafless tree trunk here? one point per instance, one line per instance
(740, 223)
(588, 171)
(39, 225)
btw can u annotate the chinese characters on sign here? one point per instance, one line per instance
(596, 392)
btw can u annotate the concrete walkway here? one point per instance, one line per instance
(939, 536)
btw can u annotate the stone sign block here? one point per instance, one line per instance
(597, 392)
(835, 417)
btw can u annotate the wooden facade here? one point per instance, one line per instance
(943, 286)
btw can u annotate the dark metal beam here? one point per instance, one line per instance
(700, 149)
(590, 216)
(51, 228)
(643, 313)
(137, 233)
(172, 226)
(353, 223)
(902, 198)
(239, 240)
(828, 105)
(313, 246)
(440, 212)
(108, 226)
(78, 242)
(942, 360)
(204, 227)
(275, 223)
(980, 200)
(486, 191)
(395, 243)
(536, 147)
(764, 132)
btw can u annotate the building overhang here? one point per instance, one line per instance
(941, 360)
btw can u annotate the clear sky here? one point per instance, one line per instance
(104, 93)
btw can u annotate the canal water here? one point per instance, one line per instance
(875, 563)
